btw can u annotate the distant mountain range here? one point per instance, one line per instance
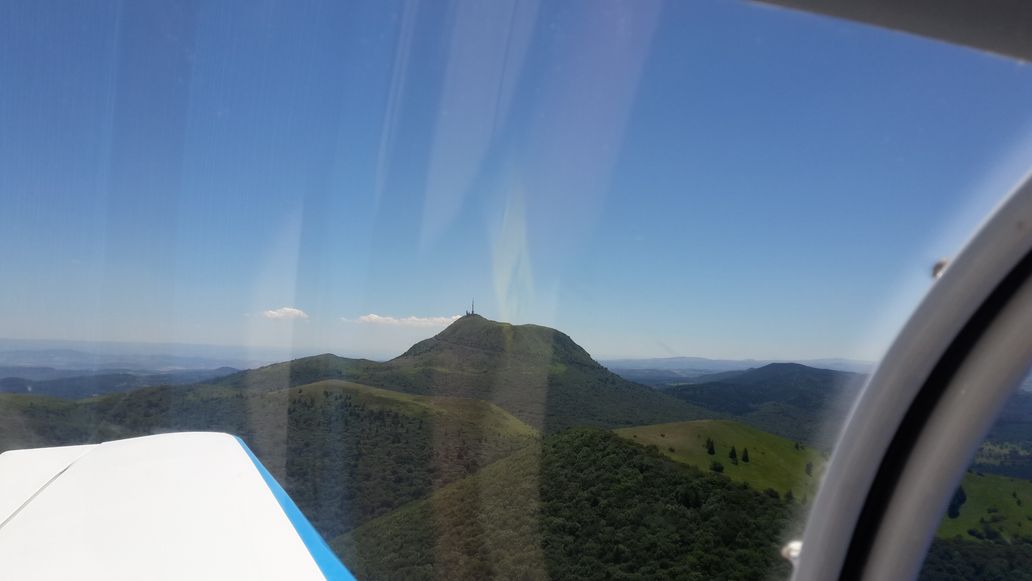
(94, 356)
(77, 369)
(659, 372)
(80, 383)
(792, 400)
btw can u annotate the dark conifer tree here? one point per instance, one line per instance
(959, 498)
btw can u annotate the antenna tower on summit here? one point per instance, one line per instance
(472, 307)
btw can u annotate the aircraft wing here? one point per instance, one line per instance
(174, 506)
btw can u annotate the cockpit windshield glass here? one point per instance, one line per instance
(511, 289)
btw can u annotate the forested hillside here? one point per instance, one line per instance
(586, 505)
(344, 452)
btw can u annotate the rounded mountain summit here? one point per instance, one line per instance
(538, 374)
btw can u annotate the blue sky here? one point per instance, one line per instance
(692, 178)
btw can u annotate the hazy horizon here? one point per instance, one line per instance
(266, 355)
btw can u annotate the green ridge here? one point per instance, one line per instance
(991, 506)
(774, 462)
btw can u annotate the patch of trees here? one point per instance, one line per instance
(613, 509)
(958, 500)
(711, 449)
(960, 560)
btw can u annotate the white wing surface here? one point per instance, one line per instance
(173, 506)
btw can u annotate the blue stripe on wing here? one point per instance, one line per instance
(328, 562)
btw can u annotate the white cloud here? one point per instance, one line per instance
(374, 319)
(285, 313)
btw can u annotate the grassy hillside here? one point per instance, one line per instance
(788, 399)
(997, 508)
(774, 462)
(485, 416)
(585, 505)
